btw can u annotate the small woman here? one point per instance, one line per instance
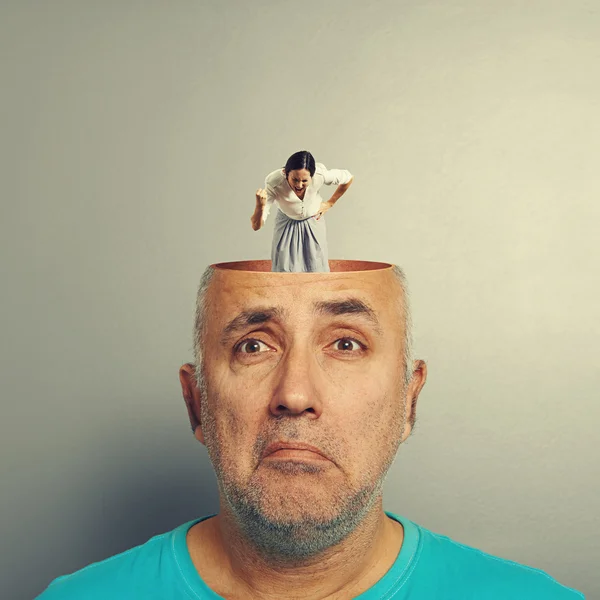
(299, 237)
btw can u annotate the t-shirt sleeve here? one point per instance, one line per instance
(334, 176)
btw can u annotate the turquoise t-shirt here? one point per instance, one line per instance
(428, 567)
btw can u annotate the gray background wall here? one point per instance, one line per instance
(134, 135)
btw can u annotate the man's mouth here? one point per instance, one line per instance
(294, 450)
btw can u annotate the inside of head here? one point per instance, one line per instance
(335, 266)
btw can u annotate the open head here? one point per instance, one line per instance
(303, 389)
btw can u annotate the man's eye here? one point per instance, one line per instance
(347, 345)
(251, 347)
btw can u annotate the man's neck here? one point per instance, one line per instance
(231, 566)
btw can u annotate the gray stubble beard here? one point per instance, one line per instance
(290, 543)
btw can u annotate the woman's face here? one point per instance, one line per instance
(299, 180)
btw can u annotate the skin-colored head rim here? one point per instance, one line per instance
(336, 266)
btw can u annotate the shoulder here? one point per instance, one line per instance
(275, 178)
(332, 176)
(143, 571)
(490, 577)
(321, 174)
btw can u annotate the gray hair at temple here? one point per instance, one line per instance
(200, 325)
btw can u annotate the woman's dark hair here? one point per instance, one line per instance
(300, 160)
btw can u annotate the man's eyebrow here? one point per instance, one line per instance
(247, 318)
(349, 306)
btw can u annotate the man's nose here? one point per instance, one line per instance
(296, 391)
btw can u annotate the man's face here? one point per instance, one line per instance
(299, 361)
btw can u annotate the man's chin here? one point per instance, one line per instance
(296, 505)
(299, 493)
(296, 512)
(289, 520)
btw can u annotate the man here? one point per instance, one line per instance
(302, 392)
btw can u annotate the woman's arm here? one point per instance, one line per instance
(257, 220)
(339, 192)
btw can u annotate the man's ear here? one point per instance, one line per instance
(419, 377)
(193, 398)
